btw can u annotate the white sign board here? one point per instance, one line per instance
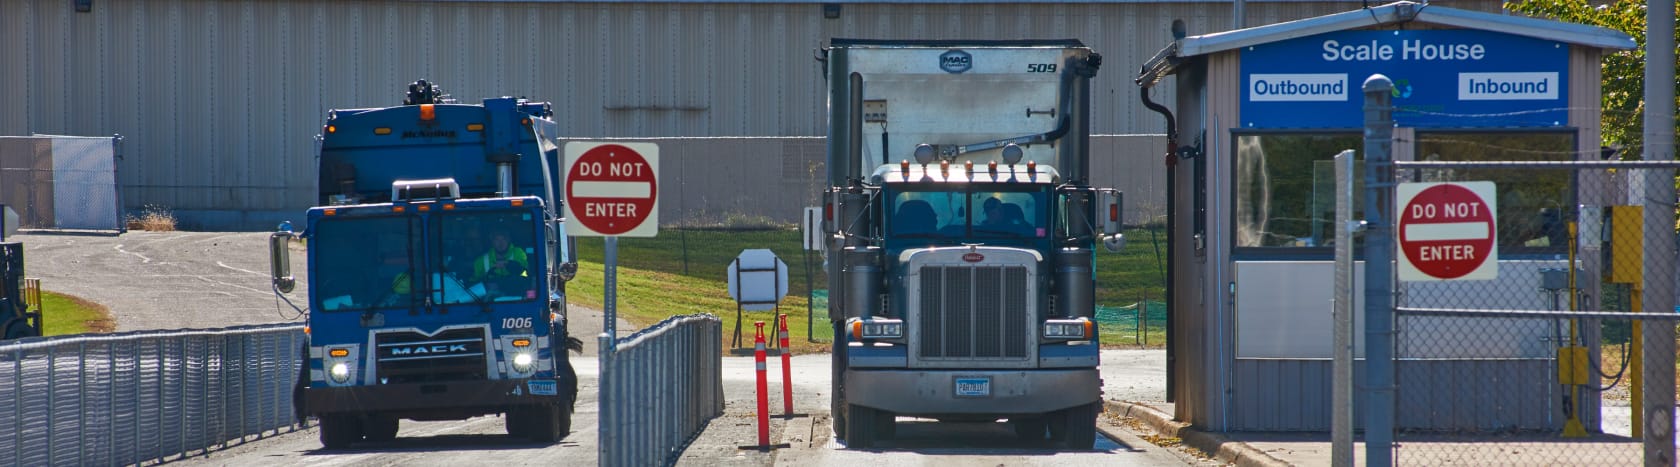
(757, 280)
(612, 189)
(1447, 231)
(810, 226)
(8, 222)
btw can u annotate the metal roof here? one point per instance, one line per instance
(1405, 12)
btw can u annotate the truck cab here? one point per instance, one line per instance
(964, 238)
(437, 268)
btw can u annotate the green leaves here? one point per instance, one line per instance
(1623, 71)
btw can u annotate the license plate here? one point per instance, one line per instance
(974, 387)
(543, 388)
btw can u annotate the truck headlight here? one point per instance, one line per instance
(1069, 329)
(522, 362)
(878, 328)
(340, 372)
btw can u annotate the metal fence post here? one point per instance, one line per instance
(604, 398)
(1379, 280)
(1659, 260)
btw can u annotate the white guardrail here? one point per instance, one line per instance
(144, 397)
(659, 388)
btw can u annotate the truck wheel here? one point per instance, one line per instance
(380, 428)
(859, 427)
(564, 414)
(19, 329)
(339, 430)
(837, 386)
(540, 423)
(886, 425)
(1076, 428)
(1029, 429)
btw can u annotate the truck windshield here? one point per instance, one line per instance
(365, 262)
(486, 256)
(946, 214)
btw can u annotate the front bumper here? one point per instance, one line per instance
(475, 397)
(929, 392)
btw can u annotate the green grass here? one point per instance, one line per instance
(652, 284)
(67, 314)
(682, 271)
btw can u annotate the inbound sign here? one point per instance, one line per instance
(1442, 78)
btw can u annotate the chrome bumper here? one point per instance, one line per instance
(919, 392)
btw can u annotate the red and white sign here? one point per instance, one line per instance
(612, 189)
(1447, 231)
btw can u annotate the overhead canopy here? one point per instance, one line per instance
(1166, 62)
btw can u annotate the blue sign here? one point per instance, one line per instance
(1442, 78)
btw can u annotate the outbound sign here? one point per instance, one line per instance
(1442, 78)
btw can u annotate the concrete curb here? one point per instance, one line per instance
(1214, 444)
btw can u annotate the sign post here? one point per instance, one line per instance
(612, 190)
(810, 226)
(1447, 231)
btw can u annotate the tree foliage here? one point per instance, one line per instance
(1623, 71)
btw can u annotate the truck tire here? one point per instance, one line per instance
(837, 384)
(19, 329)
(1076, 428)
(540, 423)
(859, 427)
(339, 430)
(886, 425)
(380, 428)
(563, 412)
(1028, 429)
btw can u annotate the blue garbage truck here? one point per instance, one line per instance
(437, 260)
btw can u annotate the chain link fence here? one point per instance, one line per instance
(1541, 364)
(659, 388)
(144, 397)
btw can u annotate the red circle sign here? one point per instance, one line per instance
(1446, 231)
(611, 189)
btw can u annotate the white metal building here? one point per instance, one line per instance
(218, 101)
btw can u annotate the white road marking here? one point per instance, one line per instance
(247, 271)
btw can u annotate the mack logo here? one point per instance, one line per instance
(974, 257)
(429, 349)
(955, 61)
(428, 134)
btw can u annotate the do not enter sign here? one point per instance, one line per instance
(1447, 231)
(612, 189)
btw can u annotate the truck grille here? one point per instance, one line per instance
(970, 313)
(410, 357)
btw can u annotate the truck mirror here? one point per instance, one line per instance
(280, 261)
(1111, 210)
(567, 271)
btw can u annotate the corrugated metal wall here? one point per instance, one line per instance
(219, 101)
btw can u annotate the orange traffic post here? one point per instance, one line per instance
(787, 369)
(763, 388)
(763, 394)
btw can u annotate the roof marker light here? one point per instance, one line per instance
(904, 169)
(925, 153)
(1012, 154)
(428, 112)
(382, 131)
(991, 167)
(1032, 168)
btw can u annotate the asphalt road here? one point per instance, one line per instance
(1127, 374)
(174, 280)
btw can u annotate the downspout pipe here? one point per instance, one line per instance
(1172, 239)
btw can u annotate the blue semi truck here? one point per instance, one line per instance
(437, 262)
